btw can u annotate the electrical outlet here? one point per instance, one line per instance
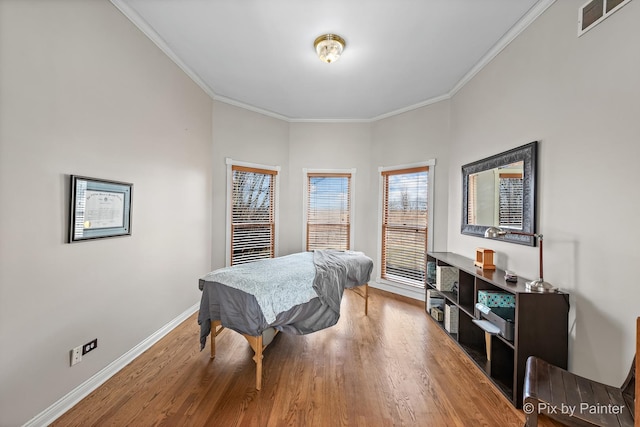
(76, 355)
(89, 346)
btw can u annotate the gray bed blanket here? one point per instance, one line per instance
(277, 283)
(337, 270)
(231, 300)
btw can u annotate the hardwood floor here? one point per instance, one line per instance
(394, 367)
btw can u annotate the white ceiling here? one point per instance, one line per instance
(400, 54)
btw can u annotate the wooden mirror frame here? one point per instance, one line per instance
(528, 154)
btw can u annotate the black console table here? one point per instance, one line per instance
(541, 324)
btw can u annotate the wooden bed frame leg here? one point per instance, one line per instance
(362, 294)
(214, 334)
(258, 359)
(256, 341)
(366, 299)
(256, 345)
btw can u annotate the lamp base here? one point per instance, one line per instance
(539, 286)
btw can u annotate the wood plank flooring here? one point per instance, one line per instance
(394, 367)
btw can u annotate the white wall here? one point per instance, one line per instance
(579, 98)
(84, 92)
(245, 136)
(329, 146)
(252, 137)
(415, 136)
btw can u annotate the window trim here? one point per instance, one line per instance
(431, 163)
(305, 200)
(229, 208)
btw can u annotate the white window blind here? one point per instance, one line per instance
(511, 200)
(404, 225)
(328, 211)
(252, 214)
(472, 199)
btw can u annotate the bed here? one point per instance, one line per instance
(299, 293)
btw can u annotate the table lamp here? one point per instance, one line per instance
(538, 285)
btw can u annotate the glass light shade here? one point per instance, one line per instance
(329, 47)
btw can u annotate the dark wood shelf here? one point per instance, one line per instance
(506, 341)
(451, 296)
(494, 277)
(480, 359)
(540, 327)
(468, 310)
(441, 324)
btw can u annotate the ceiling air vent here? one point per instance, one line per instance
(596, 11)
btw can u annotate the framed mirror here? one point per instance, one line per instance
(500, 191)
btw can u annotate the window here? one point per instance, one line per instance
(404, 224)
(472, 199)
(496, 197)
(511, 200)
(328, 210)
(252, 213)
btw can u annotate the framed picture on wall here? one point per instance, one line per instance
(99, 208)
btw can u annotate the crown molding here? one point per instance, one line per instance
(412, 107)
(508, 37)
(533, 14)
(249, 107)
(346, 120)
(330, 120)
(148, 31)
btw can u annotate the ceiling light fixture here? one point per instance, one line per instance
(329, 47)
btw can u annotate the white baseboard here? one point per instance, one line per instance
(400, 289)
(54, 411)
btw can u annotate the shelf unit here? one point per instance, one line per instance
(541, 324)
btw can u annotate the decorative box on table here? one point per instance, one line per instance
(451, 318)
(484, 259)
(446, 278)
(496, 299)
